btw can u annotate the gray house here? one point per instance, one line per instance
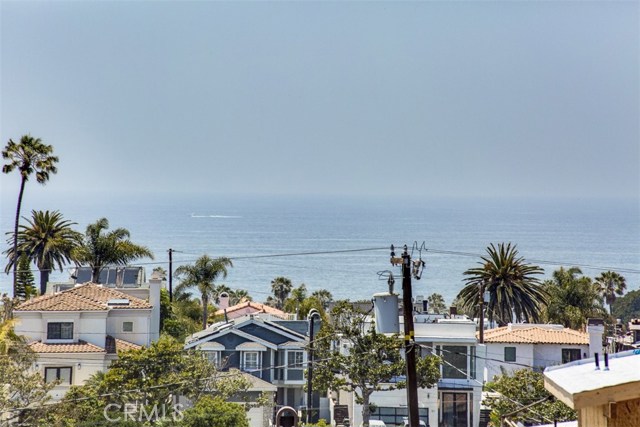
(269, 348)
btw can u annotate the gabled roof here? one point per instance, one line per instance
(258, 307)
(535, 334)
(88, 297)
(237, 327)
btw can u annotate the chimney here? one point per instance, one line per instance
(155, 283)
(595, 329)
(224, 301)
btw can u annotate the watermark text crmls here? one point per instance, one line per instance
(115, 412)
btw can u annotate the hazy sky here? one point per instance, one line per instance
(441, 98)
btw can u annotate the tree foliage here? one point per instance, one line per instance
(214, 411)
(154, 375)
(573, 298)
(99, 248)
(610, 285)
(280, 287)
(48, 240)
(627, 307)
(24, 393)
(370, 362)
(29, 156)
(202, 276)
(514, 291)
(436, 304)
(525, 386)
(25, 285)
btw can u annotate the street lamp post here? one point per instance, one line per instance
(313, 313)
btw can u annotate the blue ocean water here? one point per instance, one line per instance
(565, 232)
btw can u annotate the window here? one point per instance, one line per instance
(454, 363)
(294, 359)
(454, 410)
(395, 416)
(509, 354)
(472, 362)
(127, 326)
(570, 354)
(55, 374)
(212, 356)
(60, 330)
(251, 360)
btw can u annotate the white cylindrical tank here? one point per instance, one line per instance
(386, 312)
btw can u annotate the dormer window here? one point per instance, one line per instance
(60, 331)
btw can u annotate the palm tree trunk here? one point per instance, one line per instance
(205, 314)
(15, 236)
(44, 279)
(95, 274)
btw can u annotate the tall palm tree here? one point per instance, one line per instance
(514, 291)
(573, 298)
(324, 296)
(29, 156)
(280, 286)
(610, 285)
(48, 241)
(99, 248)
(296, 298)
(203, 275)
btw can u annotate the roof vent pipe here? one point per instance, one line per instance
(597, 362)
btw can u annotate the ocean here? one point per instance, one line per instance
(550, 232)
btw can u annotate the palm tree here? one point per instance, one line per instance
(238, 296)
(610, 284)
(324, 296)
(280, 286)
(298, 295)
(513, 289)
(202, 275)
(99, 249)
(48, 241)
(572, 298)
(29, 156)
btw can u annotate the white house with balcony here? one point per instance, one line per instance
(78, 332)
(455, 400)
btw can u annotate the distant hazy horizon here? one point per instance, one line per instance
(423, 99)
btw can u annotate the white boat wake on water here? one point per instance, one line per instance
(214, 216)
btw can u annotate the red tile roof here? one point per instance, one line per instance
(535, 335)
(256, 306)
(79, 347)
(114, 345)
(87, 297)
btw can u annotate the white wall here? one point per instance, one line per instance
(495, 358)
(82, 368)
(141, 325)
(92, 327)
(551, 354)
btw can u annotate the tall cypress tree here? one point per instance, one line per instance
(25, 282)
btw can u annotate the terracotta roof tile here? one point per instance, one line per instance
(260, 308)
(536, 335)
(79, 347)
(87, 297)
(114, 345)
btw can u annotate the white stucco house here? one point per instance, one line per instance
(537, 346)
(78, 332)
(455, 400)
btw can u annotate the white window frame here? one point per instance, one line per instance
(244, 361)
(212, 356)
(295, 365)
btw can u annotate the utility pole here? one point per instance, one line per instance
(312, 314)
(409, 337)
(481, 323)
(170, 274)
